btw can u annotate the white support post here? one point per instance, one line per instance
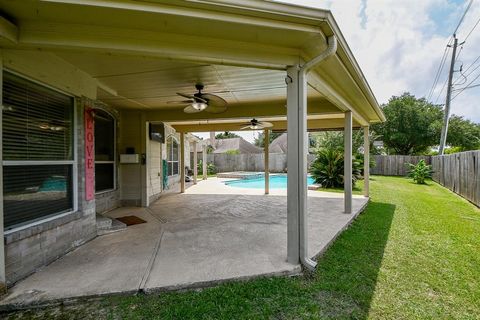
(182, 162)
(144, 161)
(204, 162)
(266, 143)
(3, 279)
(366, 161)
(348, 162)
(195, 164)
(293, 238)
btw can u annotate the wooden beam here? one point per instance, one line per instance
(8, 32)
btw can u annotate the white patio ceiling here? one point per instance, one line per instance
(142, 52)
(151, 83)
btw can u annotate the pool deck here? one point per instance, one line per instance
(210, 234)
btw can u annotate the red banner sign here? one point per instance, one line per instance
(89, 155)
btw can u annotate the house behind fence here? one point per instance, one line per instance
(251, 162)
(459, 172)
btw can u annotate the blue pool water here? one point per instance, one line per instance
(276, 182)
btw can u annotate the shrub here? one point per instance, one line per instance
(420, 172)
(211, 169)
(327, 169)
(233, 151)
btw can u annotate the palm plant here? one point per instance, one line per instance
(327, 169)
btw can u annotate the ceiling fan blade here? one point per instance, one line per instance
(245, 128)
(265, 124)
(180, 102)
(215, 108)
(192, 97)
(186, 96)
(214, 100)
(191, 109)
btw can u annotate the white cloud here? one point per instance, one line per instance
(399, 44)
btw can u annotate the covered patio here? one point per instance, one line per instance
(119, 68)
(209, 234)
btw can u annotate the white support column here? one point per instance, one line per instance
(266, 143)
(144, 159)
(3, 279)
(182, 162)
(348, 162)
(293, 238)
(195, 162)
(204, 162)
(366, 161)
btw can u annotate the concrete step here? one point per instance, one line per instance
(103, 222)
(113, 225)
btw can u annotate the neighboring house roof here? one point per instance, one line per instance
(279, 145)
(240, 144)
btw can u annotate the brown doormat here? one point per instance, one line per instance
(131, 220)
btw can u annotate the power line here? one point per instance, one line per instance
(471, 65)
(468, 35)
(439, 70)
(463, 17)
(467, 75)
(443, 88)
(463, 89)
(444, 57)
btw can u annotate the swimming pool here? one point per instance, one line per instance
(276, 182)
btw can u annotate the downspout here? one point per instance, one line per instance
(302, 74)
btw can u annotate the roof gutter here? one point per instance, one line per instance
(302, 74)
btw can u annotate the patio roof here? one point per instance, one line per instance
(140, 53)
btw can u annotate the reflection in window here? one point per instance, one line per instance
(172, 156)
(104, 151)
(37, 128)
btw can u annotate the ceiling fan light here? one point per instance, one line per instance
(254, 127)
(199, 106)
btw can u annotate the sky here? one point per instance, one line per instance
(399, 46)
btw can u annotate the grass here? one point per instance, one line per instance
(357, 189)
(413, 254)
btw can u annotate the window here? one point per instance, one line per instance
(38, 151)
(172, 156)
(104, 151)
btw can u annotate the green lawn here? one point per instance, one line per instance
(357, 189)
(413, 254)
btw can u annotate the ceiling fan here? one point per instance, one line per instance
(200, 101)
(254, 124)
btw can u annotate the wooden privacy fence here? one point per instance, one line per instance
(459, 172)
(395, 165)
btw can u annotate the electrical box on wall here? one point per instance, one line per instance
(130, 158)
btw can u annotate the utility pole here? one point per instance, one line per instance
(443, 137)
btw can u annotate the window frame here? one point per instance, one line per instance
(114, 162)
(73, 162)
(173, 139)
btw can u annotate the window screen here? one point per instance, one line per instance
(37, 151)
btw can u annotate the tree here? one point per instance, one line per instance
(226, 135)
(335, 140)
(260, 140)
(412, 125)
(463, 134)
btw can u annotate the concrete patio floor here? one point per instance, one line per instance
(209, 234)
